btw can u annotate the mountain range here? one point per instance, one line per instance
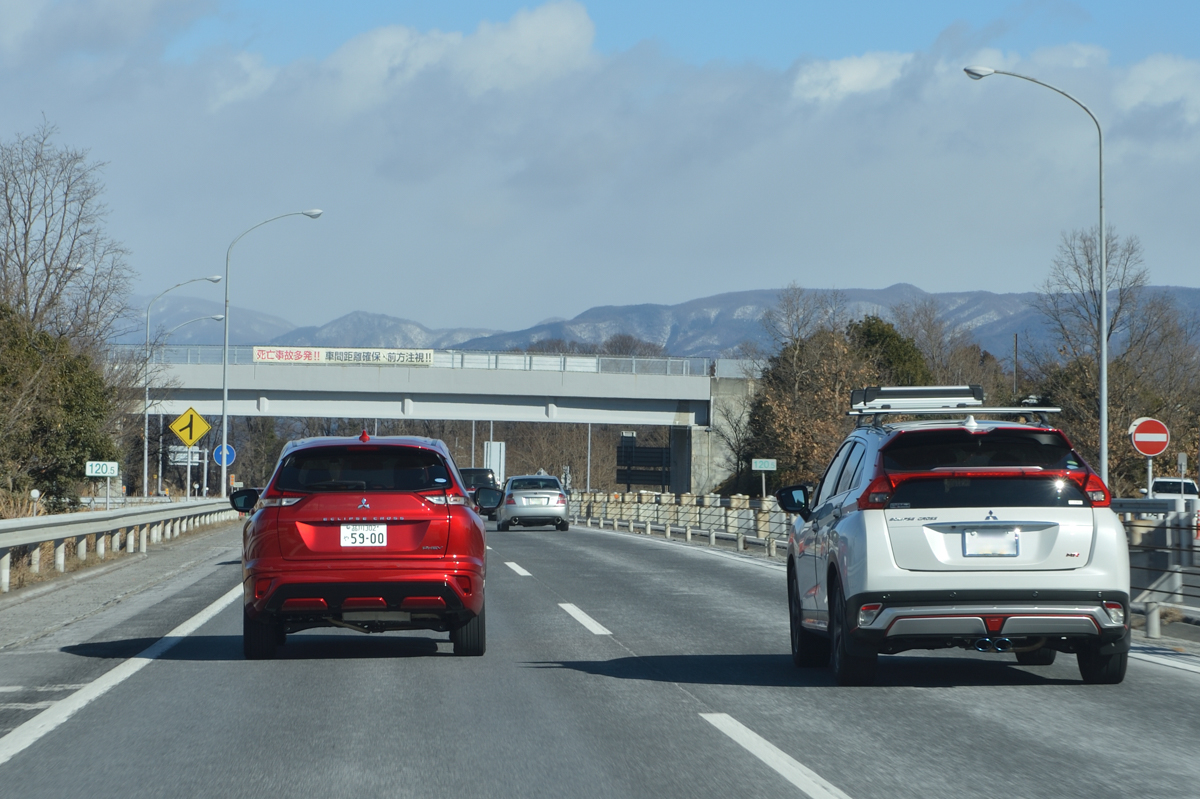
(706, 327)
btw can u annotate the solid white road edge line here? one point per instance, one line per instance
(791, 770)
(517, 568)
(1162, 661)
(48, 720)
(584, 619)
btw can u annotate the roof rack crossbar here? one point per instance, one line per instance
(901, 398)
(941, 410)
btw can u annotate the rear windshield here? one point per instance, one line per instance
(989, 492)
(535, 484)
(926, 450)
(474, 478)
(362, 468)
(1172, 487)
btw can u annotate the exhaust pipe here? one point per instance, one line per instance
(983, 645)
(1003, 644)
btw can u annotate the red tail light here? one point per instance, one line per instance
(877, 494)
(274, 498)
(445, 498)
(562, 499)
(1096, 490)
(510, 500)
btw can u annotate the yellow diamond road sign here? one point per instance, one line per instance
(190, 427)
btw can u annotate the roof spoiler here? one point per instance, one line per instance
(930, 400)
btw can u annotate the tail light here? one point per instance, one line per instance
(877, 494)
(868, 613)
(440, 498)
(1096, 490)
(510, 500)
(274, 498)
(1116, 612)
(562, 499)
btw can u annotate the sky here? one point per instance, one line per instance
(495, 164)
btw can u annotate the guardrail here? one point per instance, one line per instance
(744, 522)
(121, 530)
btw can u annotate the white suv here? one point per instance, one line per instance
(994, 536)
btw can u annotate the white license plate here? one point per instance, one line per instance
(991, 543)
(364, 535)
(537, 501)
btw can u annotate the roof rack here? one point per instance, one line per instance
(930, 400)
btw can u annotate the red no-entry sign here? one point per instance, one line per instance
(1150, 437)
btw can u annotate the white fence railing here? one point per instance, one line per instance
(127, 529)
(738, 519)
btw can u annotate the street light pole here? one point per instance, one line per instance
(978, 73)
(311, 214)
(146, 375)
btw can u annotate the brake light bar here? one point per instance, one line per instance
(879, 492)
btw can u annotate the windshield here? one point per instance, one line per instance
(362, 468)
(535, 484)
(926, 450)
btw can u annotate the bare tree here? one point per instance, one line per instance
(58, 268)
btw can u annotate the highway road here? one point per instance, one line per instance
(617, 666)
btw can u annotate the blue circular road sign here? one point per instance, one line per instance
(224, 455)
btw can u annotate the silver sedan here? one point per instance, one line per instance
(531, 500)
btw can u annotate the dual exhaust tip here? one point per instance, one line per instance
(994, 645)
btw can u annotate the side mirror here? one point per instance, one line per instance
(488, 499)
(1141, 491)
(794, 499)
(244, 499)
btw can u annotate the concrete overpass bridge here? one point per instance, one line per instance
(468, 386)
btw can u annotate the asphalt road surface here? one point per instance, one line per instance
(617, 666)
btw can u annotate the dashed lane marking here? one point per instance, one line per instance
(51, 718)
(25, 705)
(517, 569)
(784, 764)
(584, 619)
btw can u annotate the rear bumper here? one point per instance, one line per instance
(459, 586)
(930, 620)
(534, 515)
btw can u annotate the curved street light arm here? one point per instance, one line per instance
(976, 73)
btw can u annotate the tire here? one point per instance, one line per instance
(1097, 669)
(564, 525)
(259, 638)
(470, 640)
(808, 648)
(848, 668)
(502, 526)
(1037, 657)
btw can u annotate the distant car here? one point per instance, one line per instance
(367, 534)
(480, 478)
(980, 534)
(532, 500)
(1174, 488)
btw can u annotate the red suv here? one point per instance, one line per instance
(369, 534)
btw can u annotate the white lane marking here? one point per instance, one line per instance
(791, 770)
(517, 569)
(48, 720)
(11, 689)
(584, 619)
(1162, 661)
(25, 705)
(64, 687)
(488, 547)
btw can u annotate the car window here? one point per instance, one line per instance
(535, 484)
(989, 492)
(828, 481)
(362, 468)
(853, 462)
(926, 450)
(1172, 487)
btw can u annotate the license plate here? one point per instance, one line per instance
(364, 535)
(538, 501)
(991, 543)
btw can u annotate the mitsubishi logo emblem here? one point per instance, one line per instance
(991, 516)
(364, 504)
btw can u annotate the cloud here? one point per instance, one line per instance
(827, 81)
(1161, 80)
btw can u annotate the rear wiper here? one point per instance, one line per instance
(336, 484)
